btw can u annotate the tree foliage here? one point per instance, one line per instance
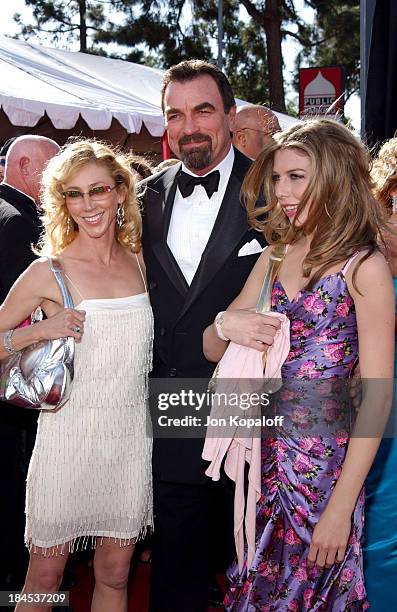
(164, 32)
(336, 35)
(59, 19)
(180, 29)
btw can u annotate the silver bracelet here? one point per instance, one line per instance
(7, 341)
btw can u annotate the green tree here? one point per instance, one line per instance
(72, 19)
(252, 49)
(169, 37)
(164, 32)
(336, 39)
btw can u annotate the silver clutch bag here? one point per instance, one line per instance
(40, 376)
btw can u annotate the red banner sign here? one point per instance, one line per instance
(321, 92)
(165, 147)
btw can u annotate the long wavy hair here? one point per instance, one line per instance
(344, 216)
(384, 173)
(59, 228)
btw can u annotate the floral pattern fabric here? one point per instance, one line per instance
(299, 472)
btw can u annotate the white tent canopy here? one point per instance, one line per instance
(39, 80)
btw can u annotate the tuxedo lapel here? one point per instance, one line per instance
(162, 194)
(230, 226)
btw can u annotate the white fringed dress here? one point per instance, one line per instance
(90, 472)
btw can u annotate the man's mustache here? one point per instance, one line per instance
(194, 138)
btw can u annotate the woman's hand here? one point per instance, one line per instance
(330, 538)
(250, 328)
(67, 322)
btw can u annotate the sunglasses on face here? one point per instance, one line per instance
(95, 193)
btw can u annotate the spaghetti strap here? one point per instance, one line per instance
(140, 270)
(74, 286)
(349, 262)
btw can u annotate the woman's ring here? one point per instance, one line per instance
(76, 329)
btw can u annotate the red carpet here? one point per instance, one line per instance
(138, 588)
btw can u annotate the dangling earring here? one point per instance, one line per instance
(120, 215)
(68, 226)
(326, 210)
(394, 204)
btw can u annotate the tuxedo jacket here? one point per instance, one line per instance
(19, 229)
(182, 312)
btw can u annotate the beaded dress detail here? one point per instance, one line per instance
(90, 472)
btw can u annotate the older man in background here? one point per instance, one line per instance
(19, 229)
(19, 202)
(253, 129)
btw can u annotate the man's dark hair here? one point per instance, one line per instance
(191, 69)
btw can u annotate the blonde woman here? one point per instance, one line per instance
(89, 480)
(336, 289)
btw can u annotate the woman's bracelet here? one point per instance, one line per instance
(7, 341)
(218, 326)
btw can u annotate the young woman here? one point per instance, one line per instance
(89, 479)
(335, 287)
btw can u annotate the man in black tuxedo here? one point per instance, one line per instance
(198, 250)
(19, 229)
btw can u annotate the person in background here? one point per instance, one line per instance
(253, 129)
(19, 205)
(3, 154)
(89, 480)
(335, 288)
(380, 550)
(198, 250)
(20, 228)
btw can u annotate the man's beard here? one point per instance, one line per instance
(196, 159)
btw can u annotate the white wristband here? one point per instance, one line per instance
(218, 326)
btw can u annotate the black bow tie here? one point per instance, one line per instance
(187, 183)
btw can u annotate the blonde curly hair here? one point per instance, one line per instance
(59, 228)
(384, 173)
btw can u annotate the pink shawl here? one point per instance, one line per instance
(235, 446)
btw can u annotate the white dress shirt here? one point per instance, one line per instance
(193, 218)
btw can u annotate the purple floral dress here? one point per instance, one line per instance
(299, 472)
